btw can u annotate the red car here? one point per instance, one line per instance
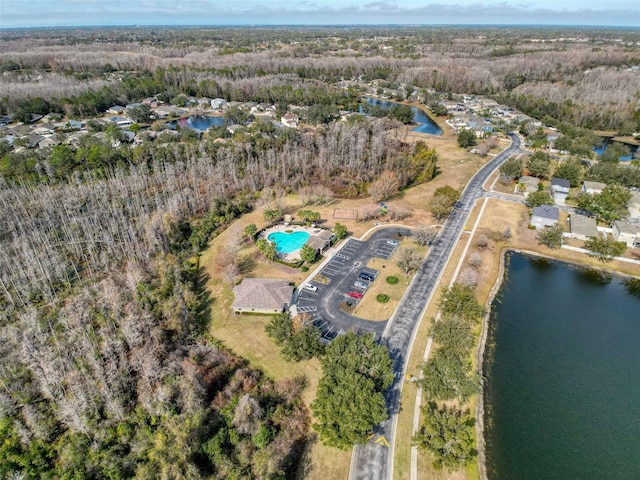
(355, 294)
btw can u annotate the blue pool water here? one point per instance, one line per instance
(288, 242)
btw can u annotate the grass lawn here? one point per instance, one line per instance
(369, 307)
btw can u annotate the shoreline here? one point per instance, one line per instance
(480, 351)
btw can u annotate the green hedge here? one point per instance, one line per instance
(391, 279)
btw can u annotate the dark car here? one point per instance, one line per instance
(366, 276)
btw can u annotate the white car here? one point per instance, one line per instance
(391, 241)
(310, 287)
(361, 285)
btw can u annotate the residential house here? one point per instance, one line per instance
(116, 110)
(526, 185)
(121, 122)
(74, 138)
(169, 110)
(592, 187)
(44, 129)
(627, 231)
(153, 102)
(72, 125)
(33, 141)
(634, 205)
(289, 120)
(582, 227)
(560, 189)
(544, 216)
(262, 295)
(48, 142)
(218, 103)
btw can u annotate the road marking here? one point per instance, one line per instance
(371, 436)
(382, 441)
(307, 309)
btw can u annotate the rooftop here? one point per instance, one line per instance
(583, 225)
(546, 211)
(262, 293)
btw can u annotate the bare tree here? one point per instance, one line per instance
(384, 187)
(408, 260)
(475, 260)
(468, 277)
(424, 235)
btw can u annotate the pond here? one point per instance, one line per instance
(200, 123)
(425, 123)
(562, 395)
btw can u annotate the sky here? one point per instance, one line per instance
(39, 13)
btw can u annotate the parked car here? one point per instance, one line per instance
(355, 294)
(366, 276)
(310, 287)
(361, 285)
(391, 241)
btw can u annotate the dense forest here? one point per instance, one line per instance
(583, 77)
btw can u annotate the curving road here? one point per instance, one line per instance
(374, 460)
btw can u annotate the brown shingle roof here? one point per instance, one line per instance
(262, 293)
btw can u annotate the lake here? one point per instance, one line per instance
(603, 148)
(199, 123)
(562, 396)
(425, 123)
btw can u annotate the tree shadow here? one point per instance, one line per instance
(205, 300)
(247, 263)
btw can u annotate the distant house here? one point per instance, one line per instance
(289, 120)
(634, 205)
(72, 125)
(117, 110)
(218, 103)
(592, 187)
(527, 185)
(233, 128)
(627, 232)
(48, 142)
(34, 140)
(582, 227)
(560, 189)
(262, 295)
(169, 111)
(545, 216)
(44, 129)
(320, 240)
(121, 122)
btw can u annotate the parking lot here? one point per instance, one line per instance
(348, 280)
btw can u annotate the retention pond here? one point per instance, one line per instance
(562, 362)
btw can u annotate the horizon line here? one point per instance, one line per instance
(325, 25)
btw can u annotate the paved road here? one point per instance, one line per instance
(374, 460)
(342, 271)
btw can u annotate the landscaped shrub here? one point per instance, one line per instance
(304, 268)
(382, 298)
(391, 279)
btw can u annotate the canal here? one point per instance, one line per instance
(562, 365)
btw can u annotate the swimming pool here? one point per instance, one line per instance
(288, 242)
